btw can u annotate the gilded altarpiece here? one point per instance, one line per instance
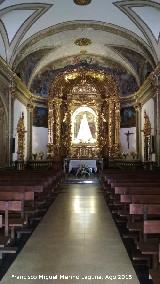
(81, 101)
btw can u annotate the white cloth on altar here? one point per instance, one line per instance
(78, 163)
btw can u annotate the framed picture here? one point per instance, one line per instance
(128, 117)
(40, 117)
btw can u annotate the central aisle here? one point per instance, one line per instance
(77, 237)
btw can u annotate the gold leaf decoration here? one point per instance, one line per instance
(83, 41)
(82, 2)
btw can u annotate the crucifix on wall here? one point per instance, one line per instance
(127, 136)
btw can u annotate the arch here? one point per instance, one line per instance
(83, 108)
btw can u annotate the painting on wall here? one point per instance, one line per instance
(127, 84)
(40, 85)
(40, 117)
(25, 68)
(140, 64)
(128, 117)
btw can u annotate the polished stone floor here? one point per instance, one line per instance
(77, 238)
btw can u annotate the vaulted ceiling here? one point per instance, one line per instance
(114, 34)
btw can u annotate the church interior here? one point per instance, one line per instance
(80, 141)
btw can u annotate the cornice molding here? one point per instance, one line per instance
(147, 90)
(128, 100)
(6, 75)
(22, 93)
(40, 101)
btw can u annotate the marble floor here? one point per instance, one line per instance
(78, 239)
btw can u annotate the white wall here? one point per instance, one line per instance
(18, 109)
(39, 139)
(132, 140)
(149, 108)
(39, 134)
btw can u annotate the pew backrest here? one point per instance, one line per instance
(141, 199)
(141, 209)
(11, 195)
(1, 221)
(9, 206)
(152, 227)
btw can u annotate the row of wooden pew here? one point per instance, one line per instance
(134, 200)
(24, 197)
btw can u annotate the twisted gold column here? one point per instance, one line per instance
(21, 138)
(57, 127)
(50, 128)
(69, 118)
(100, 118)
(117, 128)
(111, 127)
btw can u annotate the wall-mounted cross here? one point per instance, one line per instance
(127, 136)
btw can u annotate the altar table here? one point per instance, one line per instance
(78, 163)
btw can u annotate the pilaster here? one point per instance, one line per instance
(138, 108)
(156, 85)
(30, 108)
(11, 98)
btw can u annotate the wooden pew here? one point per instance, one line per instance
(155, 275)
(143, 189)
(24, 196)
(140, 198)
(16, 190)
(151, 247)
(43, 189)
(45, 186)
(125, 195)
(152, 227)
(4, 249)
(25, 193)
(137, 190)
(16, 187)
(146, 211)
(129, 178)
(119, 193)
(7, 207)
(1, 234)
